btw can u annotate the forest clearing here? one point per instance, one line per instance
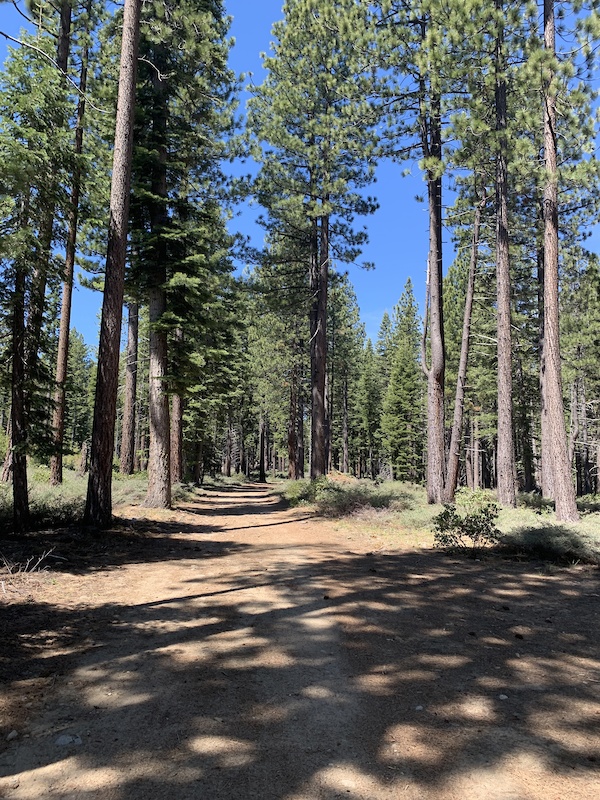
(237, 647)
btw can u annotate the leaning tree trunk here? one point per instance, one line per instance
(506, 471)
(461, 379)
(98, 509)
(564, 490)
(131, 369)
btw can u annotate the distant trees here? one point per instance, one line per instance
(272, 370)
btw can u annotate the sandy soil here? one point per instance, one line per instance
(236, 649)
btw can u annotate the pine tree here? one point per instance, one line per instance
(313, 113)
(185, 111)
(369, 402)
(402, 421)
(98, 509)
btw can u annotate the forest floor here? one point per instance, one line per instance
(234, 648)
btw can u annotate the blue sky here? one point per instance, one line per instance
(398, 231)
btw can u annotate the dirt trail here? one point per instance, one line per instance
(235, 649)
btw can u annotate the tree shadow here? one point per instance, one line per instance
(288, 672)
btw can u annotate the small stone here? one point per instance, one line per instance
(12, 735)
(418, 708)
(67, 739)
(502, 697)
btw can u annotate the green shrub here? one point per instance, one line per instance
(338, 498)
(553, 542)
(468, 525)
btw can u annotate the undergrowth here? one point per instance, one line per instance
(552, 542)
(468, 525)
(339, 498)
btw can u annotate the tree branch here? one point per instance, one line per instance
(54, 64)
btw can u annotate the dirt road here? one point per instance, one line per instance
(235, 649)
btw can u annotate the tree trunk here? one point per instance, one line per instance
(58, 416)
(476, 455)
(199, 465)
(177, 409)
(83, 465)
(586, 478)
(227, 461)
(461, 380)
(159, 453)
(159, 457)
(18, 414)
(292, 438)
(6, 475)
(37, 299)
(544, 466)
(319, 279)
(431, 143)
(262, 450)
(98, 509)
(300, 449)
(574, 428)
(177, 466)
(564, 491)
(345, 429)
(506, 470)
(469, 458)
(131, 370)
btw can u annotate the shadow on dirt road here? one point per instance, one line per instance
(269, 670)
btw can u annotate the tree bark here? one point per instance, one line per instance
(506, 471)
(159, 453)
(18, 414)
(564, 490)
(292, 438)
(177, 466)
(345, 429)
(262, 451)
(177, 408)
(431, 145)
(300, 449)
(544, 465)
(319, 280)
(62, 359)
(159, 458)
(131, 370)
(98, 509)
